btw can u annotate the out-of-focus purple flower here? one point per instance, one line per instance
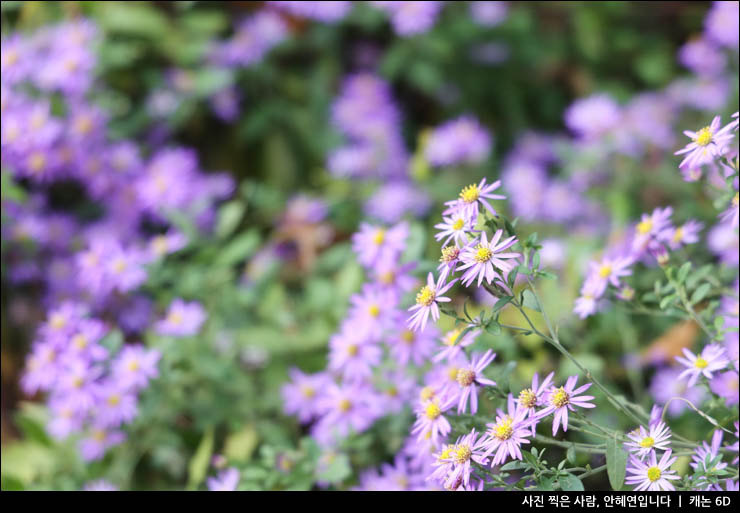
(721, 24)
(702, 57)
(459, 141)
(226, 481)
(411, 17)
(183, 319)
(666, 385)
(725, 385)
(328, 12)
(592, 117)
(489, 14)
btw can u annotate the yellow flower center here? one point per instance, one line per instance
(426, 393)
(408, 336)
(452, 373)
(703, 136)
(645, 226)
(653, 474)
(449, 254)
(352, 349)
(133, 365)
(79, 341)
(58, 321)
(470, 194)
(425, 297)
(99, 435)
(457, 225)
(446, 454)
(36, 162)
(451, 338)
(379, 236)
(605, 270)
(465, 377)
(701, 363)
(560, 398)
(482, 253)
(159, 244)
(83, 125)
(174, 318)
(345, 405)
(647, 442)
(736, 200)
(308, 392)
(678, 234)
(388, 277)
(119, 265)
(503, 429)
(433, 411)
(114, 400)
(462, 453)
(527, 398)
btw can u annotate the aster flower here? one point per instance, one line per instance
(373, 243)
(183, 319)
(99, 440)
(99, 485)
(563, 399)
(344, 408)
(372, 311)
(665, 385)
(352, 354)
(687, 233)
(708, 453)
(587, 303)
(483, 259)
(302, 393)
(427, 303)
(651, 228)
(466, 449)
(725, 385)
(448, 262)
(430, 420)
(454, 343)
(711, 359)
(609, 270)
(226, 481)
(473, 195)
(731, 216)
(534, 397)
(471, 375)
(644, 442)
(116, 404)
(408, 346)
(135, 365)
(455, 227)
(707, 144)
(461, 140)
(653, 475)
(507, 434)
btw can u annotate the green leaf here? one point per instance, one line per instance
(571, 454)
(700, 293)
(240, 445)
(239, 249)
(667, 301)
(570, 483)
(502, 303)
(201, 459)
(530, 301)
(616, 462)
(229, 216)
(683, 272)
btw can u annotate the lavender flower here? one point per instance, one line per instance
(563, 399)
(427, 302)
(711, 359)
(483, 260)
(653, 475)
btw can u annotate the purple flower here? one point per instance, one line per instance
(100, 485)
(226, 481)
(411, 17)
(702, 57)
(302, 394)
(653, 475)
(534, 397)
(706, 145)
(183, 319)
(427, 301)
(98, 441)
(563, 399)
(460, 141)
(454, 343)
(469, 376)
(374, 243)
(688, 233)
(592, 117)
(455, 227)
(725, 385)
(708, 453)
(609, 270)
(472, 195)
(408, 346)
(509, 432)
(430, 420)
(483, 259)
(135, 366)
(721, 24)
(488, 14)
(466, 449)
(352, 354)
(711, 359)
(644, 442)
(344, 408)
(666, 385)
